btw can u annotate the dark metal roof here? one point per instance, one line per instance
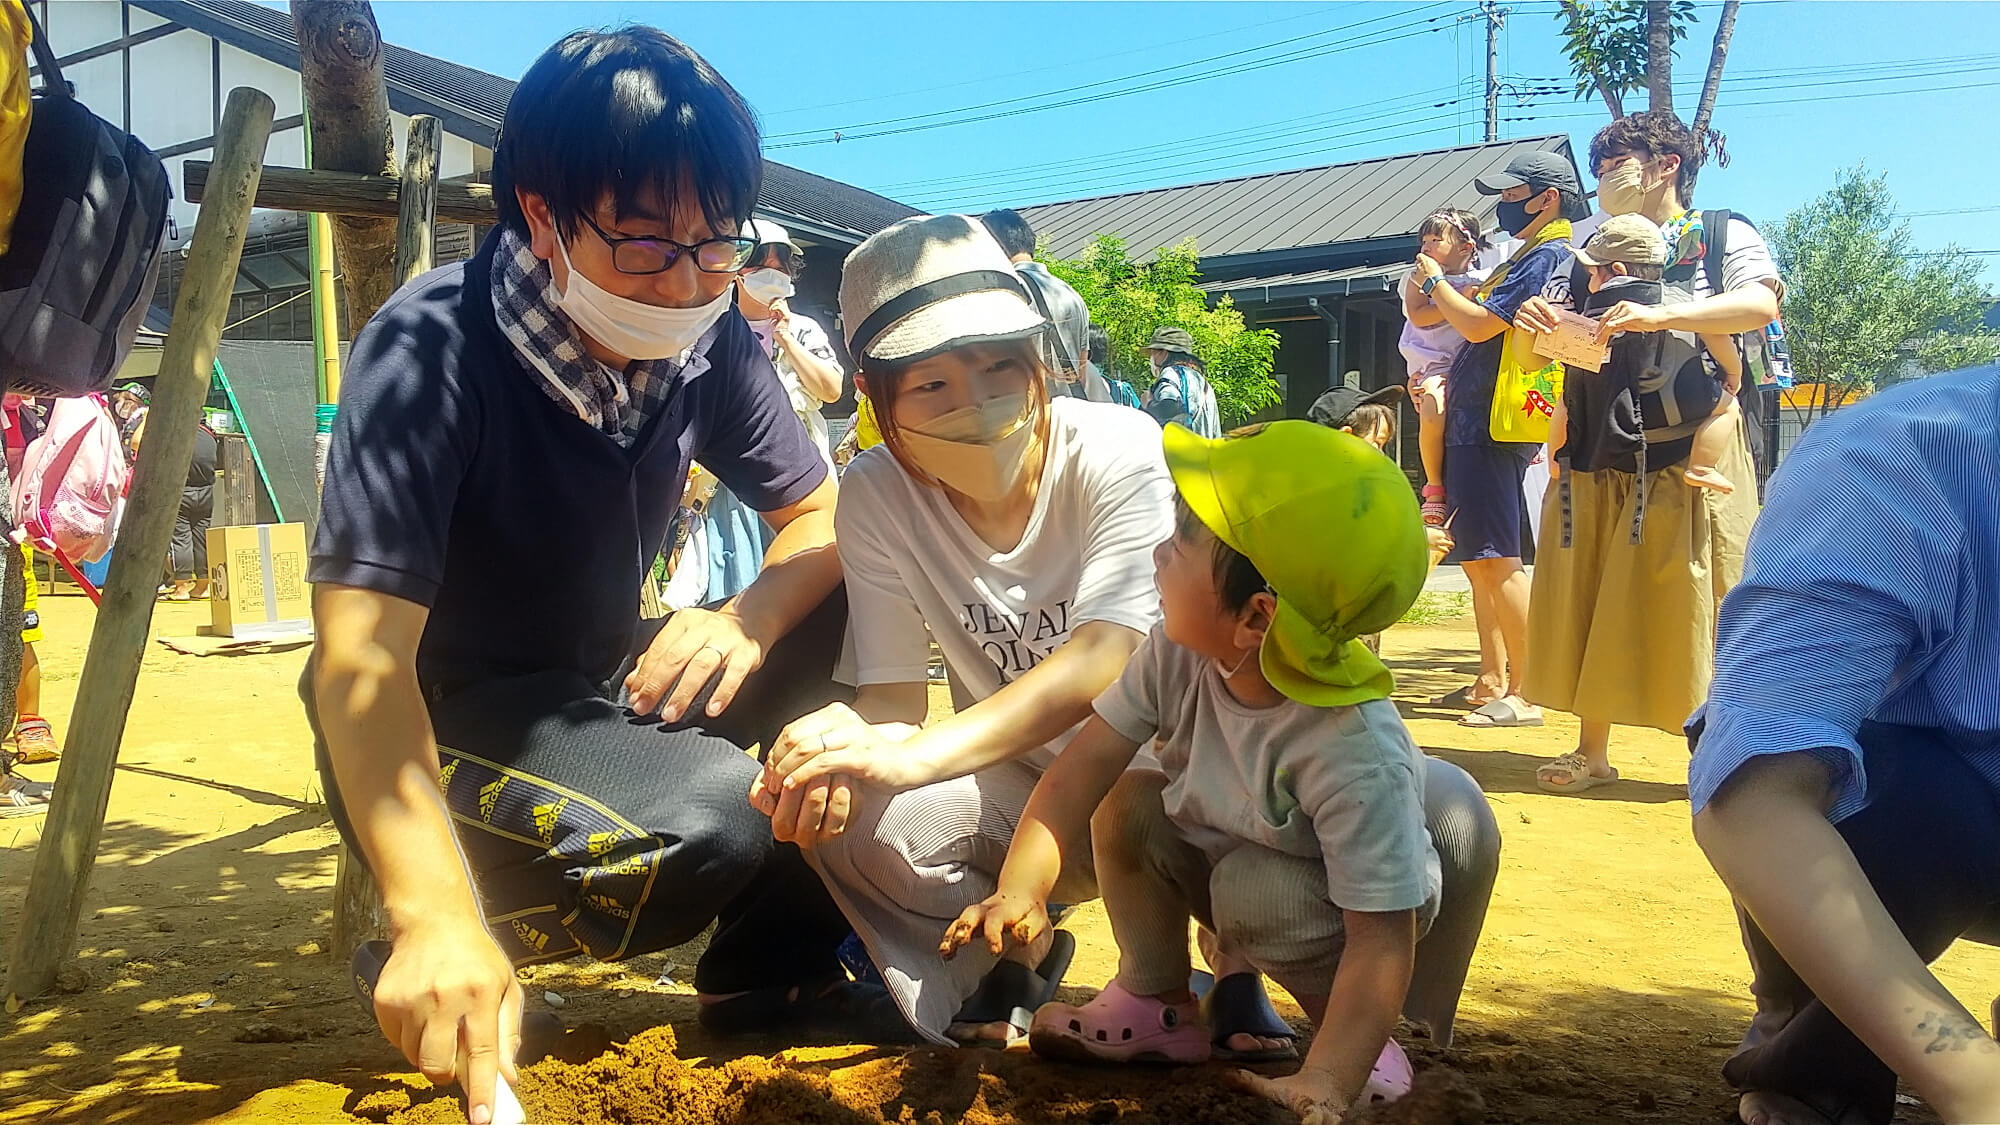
(472, 102)
(1274, 288)
(1337, 203)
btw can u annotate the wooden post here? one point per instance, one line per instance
(347, 111)
(416, 217)
(61, 875)
(357, 903)
(236, 499)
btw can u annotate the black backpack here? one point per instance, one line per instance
(80, 273)
(1638, 414)
(1765, 364)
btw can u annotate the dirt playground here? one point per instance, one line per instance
(1608, 986)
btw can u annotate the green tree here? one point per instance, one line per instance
(1863, 308)
(1619, 47)
(1130, 299)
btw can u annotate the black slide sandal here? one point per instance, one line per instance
(1010, 992)
(1238, 1005)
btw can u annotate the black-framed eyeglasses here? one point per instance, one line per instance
(657, 255)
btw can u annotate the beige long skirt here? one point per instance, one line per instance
(1624, 633)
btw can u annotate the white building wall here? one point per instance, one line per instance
(241, 68)
(74, 25)
(174, 96)
(173, 88)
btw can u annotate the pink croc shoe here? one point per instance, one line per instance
(1390, 1079)
(1120, 1027)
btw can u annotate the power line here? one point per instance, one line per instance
(1093, 186)
(1411, 128)
(1381, 37)
(1178, 145)
(1044, 69)
(1796, 101)
(1234, 161)
(1033, 176)
(1027, 177)
(1155, 72)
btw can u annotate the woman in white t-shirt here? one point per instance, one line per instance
(1015, 532)
(798, 346)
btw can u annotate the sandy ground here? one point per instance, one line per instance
(1608, 985)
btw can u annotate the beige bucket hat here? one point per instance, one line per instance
(929, 284)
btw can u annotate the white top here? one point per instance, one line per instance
(916, 571)
(1746, 260)
(1429, 351)
(810, 336)
(1344, 785)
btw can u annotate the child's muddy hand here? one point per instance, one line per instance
(998, 918)
(1311, 1093)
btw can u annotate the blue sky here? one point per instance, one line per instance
(1811, 87)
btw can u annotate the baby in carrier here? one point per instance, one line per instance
(1656, 400)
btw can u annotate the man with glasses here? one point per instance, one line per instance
(529, 770)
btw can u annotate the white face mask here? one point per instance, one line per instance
(1228, 672)
(633, 329)
(979, 450)
(766, 285)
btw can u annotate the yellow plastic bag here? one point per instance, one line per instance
(14, 110)
(1524, 393)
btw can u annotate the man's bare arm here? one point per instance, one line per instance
(445, 970)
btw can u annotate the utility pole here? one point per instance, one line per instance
(1495, 15)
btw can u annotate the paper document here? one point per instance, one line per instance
(1573, 342)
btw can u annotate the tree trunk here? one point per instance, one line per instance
(1725, 26)
(1612, 101)
(347, 109)
(1659, 55)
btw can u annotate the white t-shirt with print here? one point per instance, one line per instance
(916, 571)
(1344, 785)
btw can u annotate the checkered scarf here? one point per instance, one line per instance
(617, 403)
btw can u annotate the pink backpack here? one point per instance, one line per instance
(70, 492)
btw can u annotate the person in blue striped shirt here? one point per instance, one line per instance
(1846, 774)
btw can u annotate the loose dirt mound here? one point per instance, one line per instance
(644, 1082)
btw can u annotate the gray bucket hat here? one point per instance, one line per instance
(1168, 338)
(929, 284)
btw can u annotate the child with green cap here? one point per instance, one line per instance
(1288, 810)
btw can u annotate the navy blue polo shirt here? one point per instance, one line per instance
(455, 482)
(1475, 370)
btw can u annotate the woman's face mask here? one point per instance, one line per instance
(979, 450)
(630, 328)
(1626, 188)
(767, 284)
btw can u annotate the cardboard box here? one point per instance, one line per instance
(257, 577)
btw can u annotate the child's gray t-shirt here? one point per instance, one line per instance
(1344, 784)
